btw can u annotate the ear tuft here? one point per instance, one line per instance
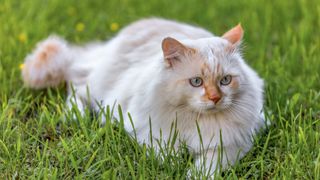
(172, 49)
(171, 46)
(234, 35)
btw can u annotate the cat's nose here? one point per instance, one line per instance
(215, 98)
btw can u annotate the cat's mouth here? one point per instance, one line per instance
(210, 108)
(206, 107)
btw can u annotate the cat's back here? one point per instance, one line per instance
(143, 38)
(156, 28)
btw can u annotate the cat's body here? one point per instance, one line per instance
(153, 82)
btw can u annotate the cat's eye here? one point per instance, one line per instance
(196, 81)
(226, 80)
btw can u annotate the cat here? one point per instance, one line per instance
(163, 71)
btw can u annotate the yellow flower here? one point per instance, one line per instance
(22, 37)
(114, 26)
(80, 27)
(21, 66)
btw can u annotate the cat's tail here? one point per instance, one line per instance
(48, 64)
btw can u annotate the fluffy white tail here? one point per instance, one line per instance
(47, 65)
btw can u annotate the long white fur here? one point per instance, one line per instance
(129, 69)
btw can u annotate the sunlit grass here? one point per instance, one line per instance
(281, 42)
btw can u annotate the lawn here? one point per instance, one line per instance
(282, 42)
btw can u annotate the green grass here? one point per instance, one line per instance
(282, 42)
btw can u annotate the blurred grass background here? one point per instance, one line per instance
(282, 42)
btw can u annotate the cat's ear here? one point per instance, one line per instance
(234, 35)
(172, 50)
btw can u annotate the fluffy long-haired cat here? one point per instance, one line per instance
(163, 71)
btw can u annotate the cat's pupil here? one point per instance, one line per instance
(226, 80)
(196, 81)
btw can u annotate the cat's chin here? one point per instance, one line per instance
(211, 109)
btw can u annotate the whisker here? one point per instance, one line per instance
(241, 111)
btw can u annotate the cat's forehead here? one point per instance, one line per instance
(216, 43)
(213, 53)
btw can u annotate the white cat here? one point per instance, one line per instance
(167, 71)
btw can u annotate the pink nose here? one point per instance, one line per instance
(214, 98)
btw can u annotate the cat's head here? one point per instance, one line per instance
(207, 75)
